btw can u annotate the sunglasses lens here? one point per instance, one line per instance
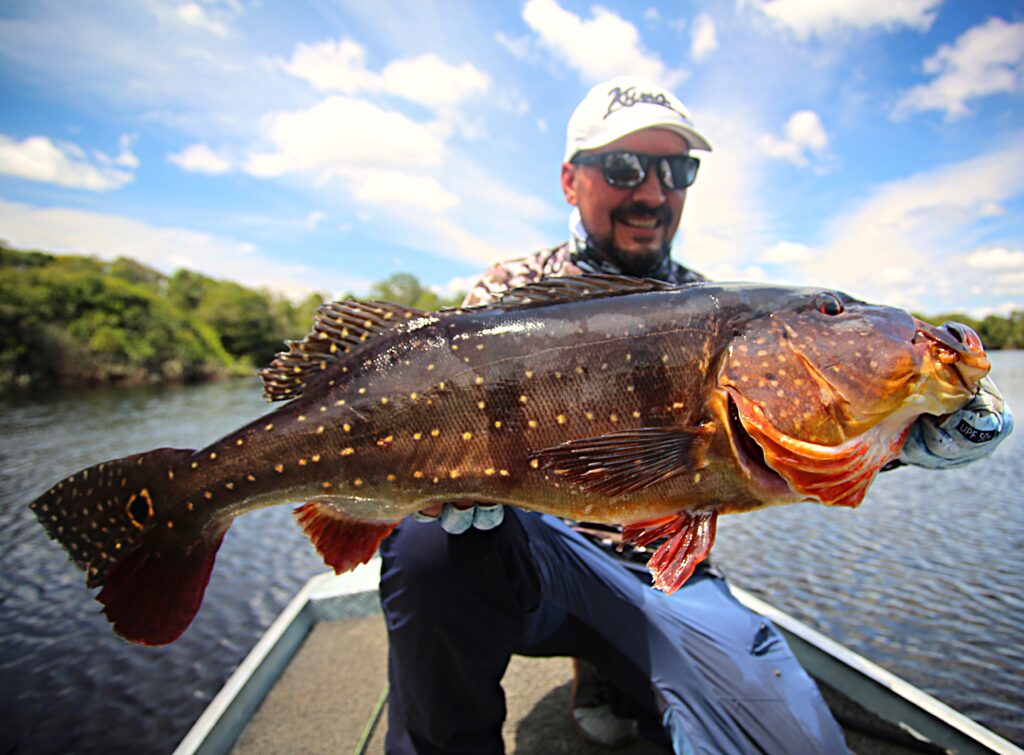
(678, 172)
(624, 169)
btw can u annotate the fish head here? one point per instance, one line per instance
(823, 389)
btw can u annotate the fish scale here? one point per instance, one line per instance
(596, 398)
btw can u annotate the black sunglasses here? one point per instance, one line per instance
(627, 170)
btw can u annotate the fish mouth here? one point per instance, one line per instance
(957, 347)
(750, 454)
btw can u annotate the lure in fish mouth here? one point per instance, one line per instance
(595, 398)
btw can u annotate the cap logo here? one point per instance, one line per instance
(623, 98)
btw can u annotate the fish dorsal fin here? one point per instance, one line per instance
(338, 329)
(571, 288)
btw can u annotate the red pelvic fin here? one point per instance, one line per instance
(342, 541)
(152, 595)
(692, 536)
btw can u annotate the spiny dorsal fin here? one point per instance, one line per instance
(571, 288)
(338, 328)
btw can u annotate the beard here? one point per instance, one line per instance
(638, 263)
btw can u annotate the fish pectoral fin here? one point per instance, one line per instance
(338, 329)
(625, 462)
(690, 537)
(341, 540)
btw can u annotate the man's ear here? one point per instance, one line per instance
(569, 183)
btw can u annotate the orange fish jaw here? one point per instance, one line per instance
(833, 475)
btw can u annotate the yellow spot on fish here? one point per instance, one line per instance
(279, 468)
(534, 463)
(522, 399)
(478, 380)
(588, 415)
(348, 451)
(195, 465)
(362, 391)
(302, 462)
(189, 505)
(250, 478)
(579, 370)
(529, 373)
(435, 432)
(320, 430)
(560, 419)
(327, 486)
(636, 414)
(417, 474)
(613, 417)
(357, 482)
(532, 423)
(170, 524)
(480, 404)
(503, 472)
(417, 436)
(390, 477)
(467, 436)
(302, 418)
(430, 367)
(229, 485)
(697, 477)
(489, 471)
(454, 474)
(170, 474)
(629, 357)
(497, 424)
(346, 427)
(455, 347)
(384, 400)
(339, 402)
(677, 404)
(414, 396)
(239, 442)
(208, 495)
(315, 458)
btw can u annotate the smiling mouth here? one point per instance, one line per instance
(646, 222)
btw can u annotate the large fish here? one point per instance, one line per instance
(594, 398)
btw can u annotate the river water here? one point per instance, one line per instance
(924, 578)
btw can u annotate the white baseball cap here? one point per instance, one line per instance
(622, 106)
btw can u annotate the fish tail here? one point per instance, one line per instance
(343, 541)
(116, 521)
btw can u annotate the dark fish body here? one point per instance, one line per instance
(593, 398)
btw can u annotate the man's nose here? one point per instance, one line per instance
(650, 191)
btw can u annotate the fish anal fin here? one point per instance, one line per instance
(152, 594)
(621, 463)
(691, 536)
(342, 541)
(338, 329)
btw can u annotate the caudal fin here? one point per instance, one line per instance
(342, 541)
(116, 521)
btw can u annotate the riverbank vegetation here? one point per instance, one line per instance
(71, 320)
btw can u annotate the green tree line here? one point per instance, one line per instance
(69, 320)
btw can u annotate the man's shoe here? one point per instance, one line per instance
(592, 713)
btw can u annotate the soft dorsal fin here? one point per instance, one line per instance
(571, 288)
(338, 328)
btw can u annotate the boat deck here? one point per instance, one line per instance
(330, 700)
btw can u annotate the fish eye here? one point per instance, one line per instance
(828, 304)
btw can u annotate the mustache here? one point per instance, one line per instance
(638, 209)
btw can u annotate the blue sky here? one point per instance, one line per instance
(875, 146)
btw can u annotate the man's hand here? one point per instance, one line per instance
(966, 435)
(456, 518)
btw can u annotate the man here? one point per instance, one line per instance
(694, 670)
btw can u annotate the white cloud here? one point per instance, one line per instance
(428, 80)
(603, 46)
(315, 218)
(996, 258)
(37, 158)
(385, 187)
(805, 18)
(703, 39)
(340, 66)
(519, 48)
(199, 158)
(985, 60)
(804, 135)
(912, 232)
(109, 236)
(787, 253)
(339, 133)
(194, 15)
